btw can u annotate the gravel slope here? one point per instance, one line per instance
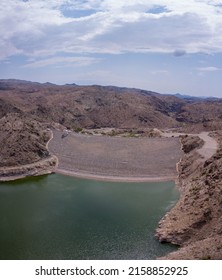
(121, 157)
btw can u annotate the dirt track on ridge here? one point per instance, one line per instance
(210, 145)
(207, 150)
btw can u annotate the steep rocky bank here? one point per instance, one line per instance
(195, 223)
(41, 167)
(24, 148)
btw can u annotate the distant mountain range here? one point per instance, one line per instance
(192, 98)
(97, 106)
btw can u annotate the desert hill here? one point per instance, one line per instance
(89, 106)
(24, 149)
(23, 140)
(105, 106)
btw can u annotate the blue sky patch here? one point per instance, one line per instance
(77, 13)
(158, 10)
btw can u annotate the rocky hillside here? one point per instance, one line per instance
(24, 149)
(23, 140)
(88, 106)
(98, 106)
(195, 223)
(205, 114)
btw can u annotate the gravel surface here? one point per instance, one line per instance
(116, 156)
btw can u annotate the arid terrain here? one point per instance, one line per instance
(24, 150)
(136, 143)
(96, 106)
(195, 223)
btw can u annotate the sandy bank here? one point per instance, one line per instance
(114, 178)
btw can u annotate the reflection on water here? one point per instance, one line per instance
(60, 217)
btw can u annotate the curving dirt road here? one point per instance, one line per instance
(210, 144)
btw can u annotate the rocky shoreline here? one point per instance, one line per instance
(195, 223)
(42, 167)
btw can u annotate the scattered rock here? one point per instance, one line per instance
(195, 222)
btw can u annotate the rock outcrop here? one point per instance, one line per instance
(24, 150)
(195, 223)
(41, 167)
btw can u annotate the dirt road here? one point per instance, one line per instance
(210, 144)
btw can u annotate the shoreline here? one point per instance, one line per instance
(193, 226)
(111, 178)
(42, 167)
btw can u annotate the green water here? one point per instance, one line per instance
(60, 217)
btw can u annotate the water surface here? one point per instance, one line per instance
(60, 217)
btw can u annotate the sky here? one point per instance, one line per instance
(167, 46)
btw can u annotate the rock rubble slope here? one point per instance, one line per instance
(195, 223)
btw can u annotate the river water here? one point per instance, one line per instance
(61, 217)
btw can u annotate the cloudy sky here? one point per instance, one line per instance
(167, 46)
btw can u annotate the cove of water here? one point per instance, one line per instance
(60, 217)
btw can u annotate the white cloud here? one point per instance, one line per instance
(161, 72)
(67, 61)
(209, 69)
(39, 28)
